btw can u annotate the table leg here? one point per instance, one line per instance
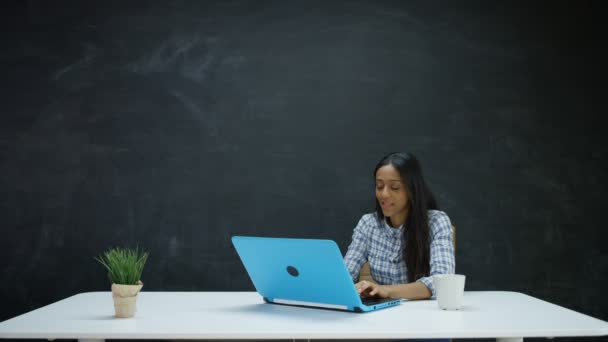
(510, 339)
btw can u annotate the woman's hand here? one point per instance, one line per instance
(370, 289)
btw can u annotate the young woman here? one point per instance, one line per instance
(407, 240)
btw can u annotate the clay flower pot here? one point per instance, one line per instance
(125, 299)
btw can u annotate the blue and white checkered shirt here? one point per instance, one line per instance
(380, 244)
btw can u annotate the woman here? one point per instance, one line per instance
(407, 239)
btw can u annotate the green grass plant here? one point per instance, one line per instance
(124, 265)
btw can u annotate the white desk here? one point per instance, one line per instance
(507, 316)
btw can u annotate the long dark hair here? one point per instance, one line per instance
(416, 240)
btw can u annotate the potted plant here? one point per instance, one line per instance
(124, 270)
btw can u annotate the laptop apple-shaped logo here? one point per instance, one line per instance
(292, 271)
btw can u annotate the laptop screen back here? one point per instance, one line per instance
(302, 270)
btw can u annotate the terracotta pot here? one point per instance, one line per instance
(125, 299)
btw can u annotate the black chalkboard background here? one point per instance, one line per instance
(174, 125)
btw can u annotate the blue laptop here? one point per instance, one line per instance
(303, 272)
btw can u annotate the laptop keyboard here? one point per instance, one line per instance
(375, 301)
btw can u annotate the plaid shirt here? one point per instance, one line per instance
(380, 244)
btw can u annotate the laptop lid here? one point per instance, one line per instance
(305, 272)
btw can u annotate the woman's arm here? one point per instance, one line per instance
(442, 249)
(356, 255)
(416, 290)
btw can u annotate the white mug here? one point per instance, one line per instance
(449, 290)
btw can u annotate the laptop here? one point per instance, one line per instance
(303, 272)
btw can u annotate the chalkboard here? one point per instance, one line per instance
(173, 126)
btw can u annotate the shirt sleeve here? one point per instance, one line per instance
(442, 249)
(356, 255)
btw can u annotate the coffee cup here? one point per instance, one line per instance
(449, 290)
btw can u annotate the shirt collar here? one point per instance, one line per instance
(394, 231)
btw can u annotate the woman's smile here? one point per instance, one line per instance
(387, 205)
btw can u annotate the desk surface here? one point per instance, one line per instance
(243, 315)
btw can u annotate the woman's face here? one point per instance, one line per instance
(391, 193)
